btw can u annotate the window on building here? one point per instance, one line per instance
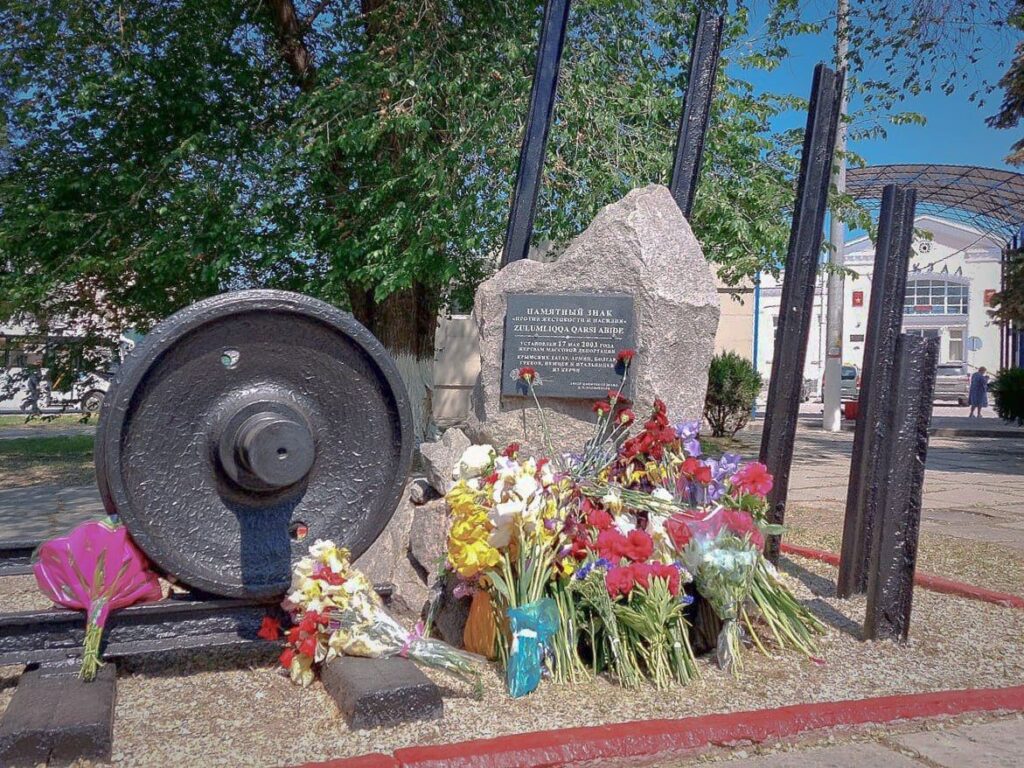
(935, 297)
(956, 344)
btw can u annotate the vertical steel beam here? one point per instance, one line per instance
(693, 126)
(797, 303)
(894, 549)
(535, 134)
(885, 318)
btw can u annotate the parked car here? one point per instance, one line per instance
(849, 389)
(952, 383)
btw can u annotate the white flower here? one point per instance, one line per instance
(547, 476)
(625, 523)
(662, 494)
(476, 461)
(321, 547)
(656, 525)
(502, 517)
(526, 486)
(612, 501)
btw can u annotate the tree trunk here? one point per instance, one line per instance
(405, 323)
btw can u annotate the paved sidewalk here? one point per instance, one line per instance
(997, 744)
(42, 511)
(13, 433)
(973, 488)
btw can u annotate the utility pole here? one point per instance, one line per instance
(831, 393)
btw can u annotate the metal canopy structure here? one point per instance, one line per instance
(988, 199)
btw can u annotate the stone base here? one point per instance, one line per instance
(56, 719)
(380, 692)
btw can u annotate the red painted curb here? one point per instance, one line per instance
(651, 738)
(927, 580)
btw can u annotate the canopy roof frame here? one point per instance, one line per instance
(989, 199)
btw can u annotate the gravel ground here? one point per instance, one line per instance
(222, 711)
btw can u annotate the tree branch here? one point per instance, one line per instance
(320, 8)
(290, 43)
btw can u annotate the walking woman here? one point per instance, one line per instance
(977, 398)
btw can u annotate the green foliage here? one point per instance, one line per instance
(1008, 392)
(1008, 304)
(155, 153)
(1012, 82)
(733, 386)
(168, 152)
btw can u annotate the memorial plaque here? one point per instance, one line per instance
(570, 339)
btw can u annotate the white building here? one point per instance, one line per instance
(953, 274)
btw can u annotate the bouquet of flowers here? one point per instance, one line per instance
(508, 537)
(612, 534)
(631, 600)
(96, 568)
(335, 611)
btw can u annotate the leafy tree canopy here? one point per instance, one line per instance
(153, 153)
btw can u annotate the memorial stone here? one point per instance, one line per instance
(635, 278)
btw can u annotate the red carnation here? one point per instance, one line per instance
(670, 574)
(625, 356)
(598, 518)
(329, 576)
(293, 635)
(703, 474)
(690, 466)
(642, 573)
(309, 621)
(619, 581)
(638, 546)
(611, 545)
(270, 629)
(527, 374)
(617, 398)
(510, 450)
(625, 417)
(286, 657)
(753, 477)
(602, 408)
(742, 524)
(308, 646)
(678, 531)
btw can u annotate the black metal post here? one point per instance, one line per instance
(894, 549)
(535, 135)
(797, 304)
(885, 318)
(693, 126)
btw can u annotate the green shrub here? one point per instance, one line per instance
(733, 385)
(1008, 392)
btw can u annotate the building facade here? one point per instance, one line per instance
(954, 270)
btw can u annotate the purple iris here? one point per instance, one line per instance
(721, 470)
(688, 432)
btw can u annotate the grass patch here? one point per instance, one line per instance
(46, 420)
(63, 460)
(716, 446)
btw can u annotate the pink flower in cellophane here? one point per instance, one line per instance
(95, 568)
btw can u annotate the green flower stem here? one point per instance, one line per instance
(543, 421)
(91, 661)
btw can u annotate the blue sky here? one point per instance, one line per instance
(955, 131)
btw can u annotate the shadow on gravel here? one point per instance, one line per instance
(822, 587)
